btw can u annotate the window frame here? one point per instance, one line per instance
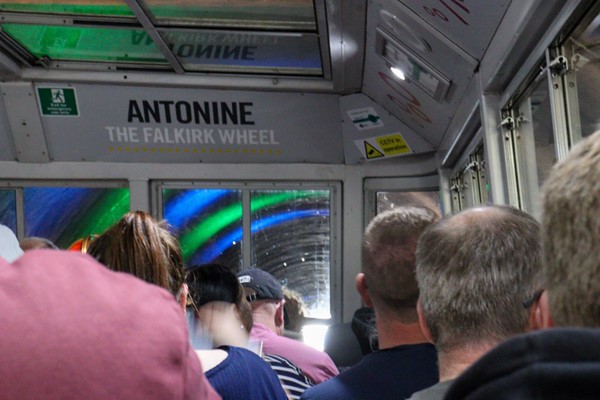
(335, 223)
(471, 167)
(427, 183)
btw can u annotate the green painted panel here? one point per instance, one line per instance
(86, 44)
(104, 8)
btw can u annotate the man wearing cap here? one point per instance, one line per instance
(264, 293)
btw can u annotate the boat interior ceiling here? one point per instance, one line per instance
(256, 81)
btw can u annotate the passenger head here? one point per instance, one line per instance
(475, 269)
(571, 236)
(388, 261)
(9, 244)
(295, 309)
(210, 283)
(73, 328)
(266, 298)
(260, 285)
(34, 242)
(139, 245)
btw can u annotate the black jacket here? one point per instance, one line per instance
(559, 363)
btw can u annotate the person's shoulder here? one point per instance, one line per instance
(289, 343)
(437, 391)
(280, 363)
(305, 348)
(341, 386)
(414, 347)
(242, 353)
(421, 351)
(318, 357)
(330, 389)
(291, 377)
(405, 359)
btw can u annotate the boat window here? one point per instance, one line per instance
(584, 51)
(249, 37)
(286, 231)
(64, 214)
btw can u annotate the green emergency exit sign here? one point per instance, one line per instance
(58, 101)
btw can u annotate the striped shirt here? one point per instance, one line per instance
(292, 379)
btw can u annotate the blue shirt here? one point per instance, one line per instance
(394, 373)
(244, 375)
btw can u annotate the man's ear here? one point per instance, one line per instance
(363, 289)
(534, 317)
(544, 310)
(279, 317)
(183, 295)
(423, 322)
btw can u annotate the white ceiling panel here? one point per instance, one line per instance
(6, 146)
(469, 24)
(424, 49)
(7, 152)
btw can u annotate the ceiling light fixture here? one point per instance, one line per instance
(398, 73)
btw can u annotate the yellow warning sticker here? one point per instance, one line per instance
(371, 152)
(393, 145)
(378, 147)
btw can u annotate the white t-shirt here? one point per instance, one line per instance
(9, 245)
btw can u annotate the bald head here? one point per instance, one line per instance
(474, 270)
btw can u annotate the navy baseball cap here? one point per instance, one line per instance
(264, 284)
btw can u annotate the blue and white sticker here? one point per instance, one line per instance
(365, 118)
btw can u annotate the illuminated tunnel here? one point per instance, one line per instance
(202, 215)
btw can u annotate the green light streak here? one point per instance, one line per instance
(109, 208)
(85, 43)
(264, 201)
(78, 9)
(212, 225)
(209, 227)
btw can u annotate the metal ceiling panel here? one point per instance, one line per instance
(346, 27)
(273, 14)
(425, 49)
(7, 147)
(469, 24)
(25, 125)
(282, 38)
